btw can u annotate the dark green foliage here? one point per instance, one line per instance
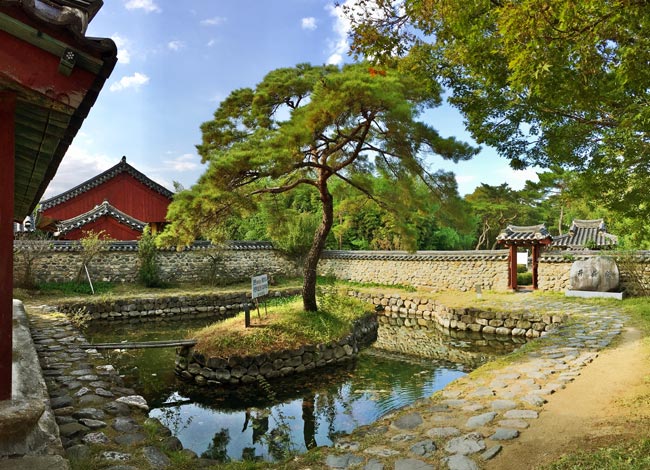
(522, 268)
(148, 271)
(75, 288)
(524, 279)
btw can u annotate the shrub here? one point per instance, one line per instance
(524, 279)
(522, 268)
(149, 271)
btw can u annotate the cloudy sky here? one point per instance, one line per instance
(179, 59)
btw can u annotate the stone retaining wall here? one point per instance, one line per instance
(430, 340)
(216, 371)
(183, 307)
(409, 310)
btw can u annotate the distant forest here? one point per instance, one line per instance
(451, 222)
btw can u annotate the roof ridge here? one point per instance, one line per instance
(121, 167)
(100, 210)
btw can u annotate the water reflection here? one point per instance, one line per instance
(299, 414)
(270, 420)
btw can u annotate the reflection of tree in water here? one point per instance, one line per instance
(248, 453)
(217, 450)
(171, 417)
(259, 420)
(279, 441)
(309, 421)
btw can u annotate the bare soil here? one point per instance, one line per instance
(607, 403)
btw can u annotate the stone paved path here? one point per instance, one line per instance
(100, 421)
(471, 421)
(461, 428)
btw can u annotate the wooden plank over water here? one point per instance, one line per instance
(142, 344)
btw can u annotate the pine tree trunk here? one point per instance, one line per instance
(320, 237)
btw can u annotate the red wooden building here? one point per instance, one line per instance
(50, 77)
(119, 201)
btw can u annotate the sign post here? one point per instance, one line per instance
(259, 288)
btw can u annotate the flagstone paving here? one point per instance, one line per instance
(465, 425)
(473, 418)
(99, 419)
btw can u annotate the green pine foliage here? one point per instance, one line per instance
(307, 128)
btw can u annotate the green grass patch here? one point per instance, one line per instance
(286, 326)
(75, 288)
(633, 455)
(331, 280)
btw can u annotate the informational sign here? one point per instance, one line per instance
(259, 285)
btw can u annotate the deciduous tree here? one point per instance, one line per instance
(543, 81)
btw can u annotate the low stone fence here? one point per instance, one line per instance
(411, 310)
(216, 371)
(60, 261)
(183, 307)
(633, 266)
(438, 270)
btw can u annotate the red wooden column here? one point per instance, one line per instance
(512, 269)
(7, 163)
(535, 255)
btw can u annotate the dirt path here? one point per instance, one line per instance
(594, 410)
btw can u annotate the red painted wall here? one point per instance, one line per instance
(112, 227)
(123, 192)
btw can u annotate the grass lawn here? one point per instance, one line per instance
(286, 326)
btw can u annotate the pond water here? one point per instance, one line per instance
(298, 413)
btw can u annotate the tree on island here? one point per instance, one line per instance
(545, 82)
(306, 126)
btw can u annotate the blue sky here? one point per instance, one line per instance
(179, 59)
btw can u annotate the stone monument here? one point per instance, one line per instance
(595, 274)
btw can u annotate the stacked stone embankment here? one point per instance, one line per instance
(182, 307)
(407, 310)
(218, 371)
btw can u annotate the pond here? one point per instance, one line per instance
(270, 420)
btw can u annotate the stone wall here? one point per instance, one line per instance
(61, 261)
(634, 270)
(184, 307)
(216, 371)
(408, 310)
(437, 270)
(428, 339)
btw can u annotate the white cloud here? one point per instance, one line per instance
(308, 23)
(185, 162)
(134, 81)
(77, 166)
(338, 46)
(516, 179)
(123, 54)
(214, 21)
(175, 45)
(146, 5)
(211, 42)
